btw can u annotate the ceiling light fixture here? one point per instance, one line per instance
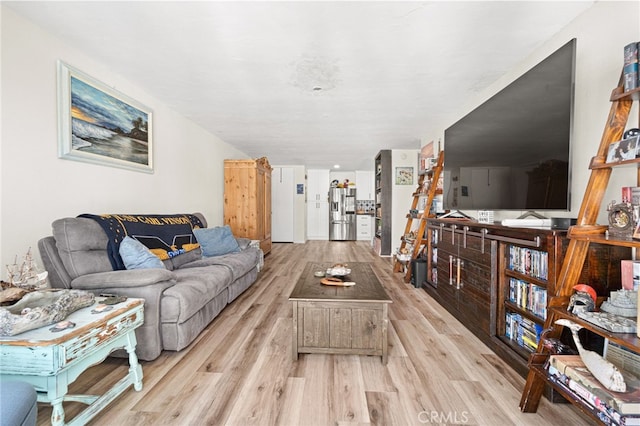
(336, 166)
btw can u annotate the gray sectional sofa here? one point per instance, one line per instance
(180, 300)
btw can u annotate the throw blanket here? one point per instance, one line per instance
(164, 235)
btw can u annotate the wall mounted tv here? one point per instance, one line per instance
(513, 151)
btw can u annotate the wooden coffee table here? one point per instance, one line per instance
(340, 320)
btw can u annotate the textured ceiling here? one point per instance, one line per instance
(311, 83)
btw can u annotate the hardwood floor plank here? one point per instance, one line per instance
(261, 397)
(385, 409)
(318, 398)
(240, 370)
(292, 407)
(193, 401)
(350, 401)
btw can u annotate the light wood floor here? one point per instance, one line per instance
(240, 369)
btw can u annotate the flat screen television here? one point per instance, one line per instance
(513, 152)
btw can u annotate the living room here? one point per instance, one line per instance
(38, 187)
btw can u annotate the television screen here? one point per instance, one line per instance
(513, 151)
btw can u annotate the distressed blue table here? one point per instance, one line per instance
(51, 359)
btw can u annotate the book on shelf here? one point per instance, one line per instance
(523, 331)
(630, 274)
(627, 403)
(630, 75)
(631, 194)
(528, 261)
(528, 296)
(606, 415)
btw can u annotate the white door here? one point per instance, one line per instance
(282, 209)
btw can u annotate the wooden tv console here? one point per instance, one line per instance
(472, 266)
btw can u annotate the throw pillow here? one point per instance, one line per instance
(216, 241)
(135, 255)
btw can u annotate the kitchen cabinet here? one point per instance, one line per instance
(318, 182)
(364, 185)
(247, 199)
(365, 227)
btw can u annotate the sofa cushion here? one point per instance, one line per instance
(216, 241)
(136, 255)
(194, 288)
(238, 263)
(82, 246)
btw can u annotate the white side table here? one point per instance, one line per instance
(51, 360)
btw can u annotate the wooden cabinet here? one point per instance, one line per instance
(474, 271)
(466, 275)
(581, 238)
(247, 199)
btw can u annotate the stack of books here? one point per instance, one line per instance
(612, 408)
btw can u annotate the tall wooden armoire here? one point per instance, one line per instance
(247, 199)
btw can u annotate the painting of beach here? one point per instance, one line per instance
(102, 125)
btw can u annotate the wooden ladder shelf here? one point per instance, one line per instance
(430, 194)
(580, 236)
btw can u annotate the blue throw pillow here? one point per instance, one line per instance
(216, 241)
(135, 255)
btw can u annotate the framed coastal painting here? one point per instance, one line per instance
(100, 125)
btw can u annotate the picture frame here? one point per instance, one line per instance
(624, 150)
(99, 125)
(404, 175)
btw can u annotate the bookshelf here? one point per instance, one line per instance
(382, 215)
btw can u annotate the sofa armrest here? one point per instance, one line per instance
(122, 279)
(147, 284)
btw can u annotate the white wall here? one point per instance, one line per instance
(402, 196)
(601, 33)
(37, 187)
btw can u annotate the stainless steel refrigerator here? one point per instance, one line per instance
(342, 214)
